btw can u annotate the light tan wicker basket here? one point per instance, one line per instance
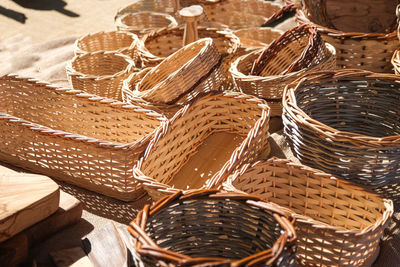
(363, 32)
(100, 73)
(255, 38)
(143, 22)
(72, 136)
(177, 141)
(112, 41)
(396, 61)
(337, 223)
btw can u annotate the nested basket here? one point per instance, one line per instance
(100, 73)
(363, 32)
(337, 223)
(72, 136)
(346, 122)
(113, 41)
(144, 22)
(213, 228)
(177, 142)
(297, 52)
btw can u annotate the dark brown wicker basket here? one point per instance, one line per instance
(213, 228)
(346, 122)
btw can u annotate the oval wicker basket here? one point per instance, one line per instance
(346, 123)
(255, 38)
(100, 73)
(213, 228)
(178, 140)
(143, 22)
(73, 136)
(112, 41)
(363, 32)
(337, 223)
(193, 69)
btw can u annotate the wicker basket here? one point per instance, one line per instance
(177, 141)
(346, 123)
(76, 137)
(143, 22)
(255, 38)
(337, 223)
(113, 41)
(396, 61)
(100, 73)
(363, 32)
(213, 228)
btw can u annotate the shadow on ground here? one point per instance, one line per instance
(58, 5)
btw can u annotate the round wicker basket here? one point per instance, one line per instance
(143, 22)
(363, 32)
(346, 123)
(337, 223)
(100, 73)
(213, 228)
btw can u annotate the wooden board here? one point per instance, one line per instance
(25, 199)
(16, 250)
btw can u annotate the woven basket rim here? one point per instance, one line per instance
(71, 71)
(329, 132)
(387, 203)
(119, 22)
(136, 227)
(88, 97)
(162, 131)
(79, 51)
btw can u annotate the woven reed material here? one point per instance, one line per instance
(143, 22)
(213, 228)
(396, 61)
(337, 223)
(100, 73)
(363, 32)
(271, 87)
(177, 140)
(346, 122)
(113, 41)
(79, 138)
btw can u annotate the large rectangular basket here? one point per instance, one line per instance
(337, 223)
(177, 141)
(83, 139)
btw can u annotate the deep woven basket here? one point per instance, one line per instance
(337, 223)
(178, 140)
(346, 123)
(143, 22)
(100, 73)
(255, 38)
(363, 32)
(72, 136)
(213, 228)
(112, 41)
(396, 61)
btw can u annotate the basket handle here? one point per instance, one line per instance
(191, 15)
(281, 15)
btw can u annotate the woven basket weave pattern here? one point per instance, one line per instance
(63, 133)
(255, 38)
(337, 223)
(346, 123)
(396, 61)
(211, 228)
(177, 141)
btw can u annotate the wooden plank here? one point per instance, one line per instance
(73, 257)
(25, 199)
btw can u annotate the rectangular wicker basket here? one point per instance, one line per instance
(83, 139)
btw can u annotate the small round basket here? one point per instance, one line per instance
(396, 61)
(346, 123)
(255, 38)
(337, 223)
(213, 228)
(230, 127)
(193, 69)
(100, 73)
(143, 22)
(112, 41)
(363, 32)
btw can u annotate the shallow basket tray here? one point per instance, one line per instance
(177, 141)
(141, 23)
(346, 122)
(72, 136)
(100, 73)
(363, 32)
(112, 41)
(337, 223)
(179, 230)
